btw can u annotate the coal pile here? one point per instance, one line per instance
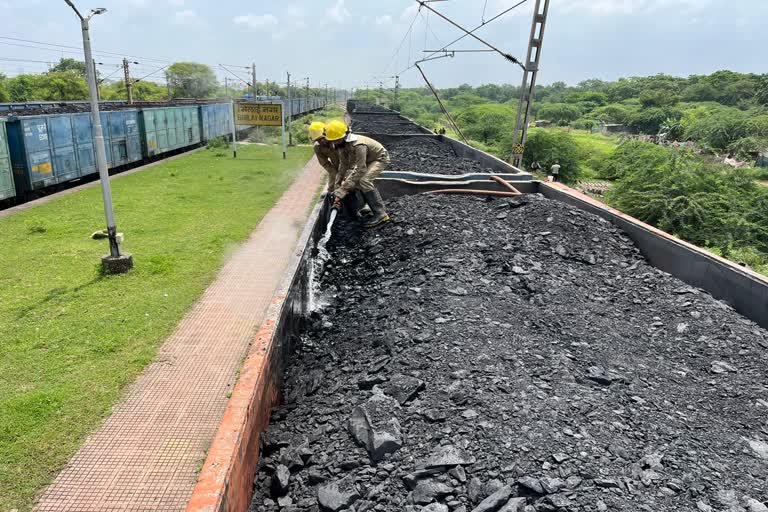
(365, 106)
(430, 156)
(515, 355)
(384, 127)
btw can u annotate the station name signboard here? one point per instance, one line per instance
(259, 114)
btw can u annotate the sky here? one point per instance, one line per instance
(360, 43)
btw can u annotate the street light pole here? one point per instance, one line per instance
(115, 263)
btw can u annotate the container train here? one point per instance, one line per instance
(44, 145)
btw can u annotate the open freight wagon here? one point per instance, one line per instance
(166, 129)
(49, 150)
(226, 482)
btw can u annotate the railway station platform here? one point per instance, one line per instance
(147, 454)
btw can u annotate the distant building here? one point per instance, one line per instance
(603, 127)
(541, 124)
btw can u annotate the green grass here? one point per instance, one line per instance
(595, 147)
(71, 339)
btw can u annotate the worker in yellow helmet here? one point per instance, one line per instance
(326, 155)
(362, 160)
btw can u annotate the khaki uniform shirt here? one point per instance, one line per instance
(329, 159)
(362, 159)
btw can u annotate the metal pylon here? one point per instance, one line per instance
(529, 81)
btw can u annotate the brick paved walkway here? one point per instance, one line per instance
(146, 455)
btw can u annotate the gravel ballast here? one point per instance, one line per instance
(514, 355)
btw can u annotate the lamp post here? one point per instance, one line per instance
(116, 262)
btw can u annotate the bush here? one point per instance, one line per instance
(486, 123)
(584, 124)
(633, 156)
(748, 148)
(547, 146)
(706, 204)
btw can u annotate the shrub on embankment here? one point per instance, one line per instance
(707, 204)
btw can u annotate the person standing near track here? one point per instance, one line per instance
(362, 160)
(556, 171)
(326, 155)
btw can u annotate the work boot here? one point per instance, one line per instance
(373, 198)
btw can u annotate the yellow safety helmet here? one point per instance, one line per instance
(336, 130)
(316, 131)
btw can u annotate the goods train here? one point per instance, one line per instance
(44, 145)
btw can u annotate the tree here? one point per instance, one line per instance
(762, 91)
(560, 113)
(548, 146)
(486, 123)
(658, 98)
(142, 91)
(68, 64)
(650, 120)
(64, 86)
(191, 80)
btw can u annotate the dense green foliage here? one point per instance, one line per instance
(709, 205)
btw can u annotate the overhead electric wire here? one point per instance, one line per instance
(101, 52)
(506, 55)
(440, 102)
(152, 73)
(234, 75)
(502, 13)
(102, 80)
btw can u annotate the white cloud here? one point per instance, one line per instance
(338, 12)
(256, 21)
(186, 17)
(176, 3)
(296, 11)
(383, 20)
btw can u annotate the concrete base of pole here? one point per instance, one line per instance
(117, 265)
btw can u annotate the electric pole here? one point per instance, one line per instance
(381, 90)
(128, 84)
(397, 92)
(253, 79)
(290, 111)
(326, 94)
(226, 86)
(529, 81)
(307, 88)
(117, 262)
